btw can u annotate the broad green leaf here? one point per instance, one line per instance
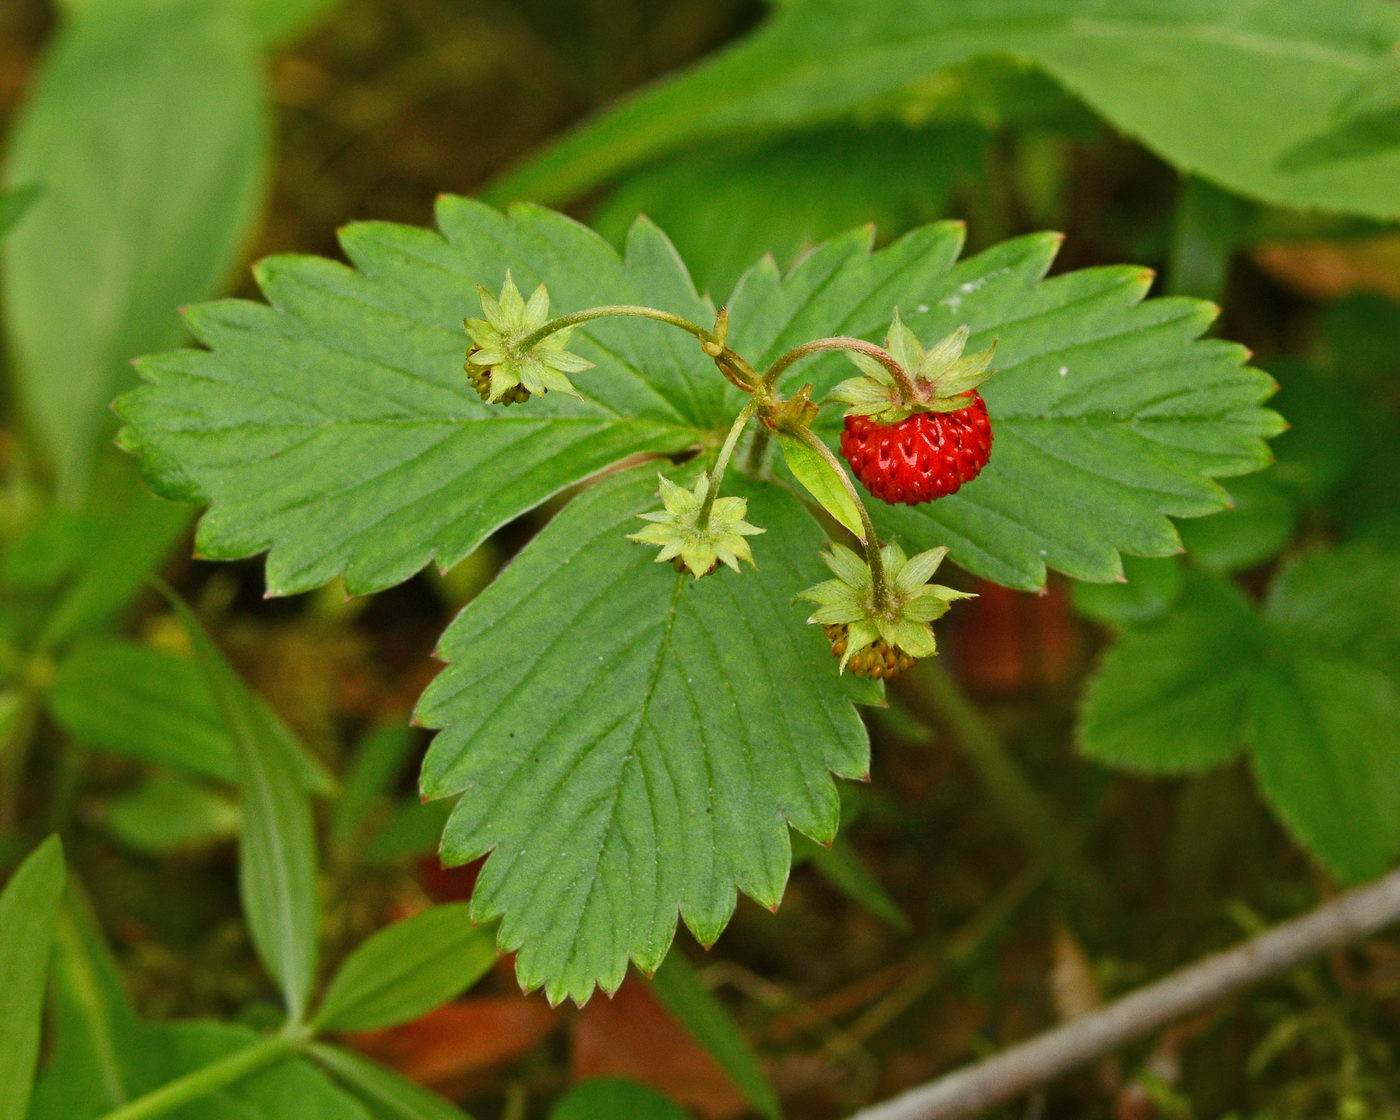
(697, 1009)
(1324, 736)
(616, 1096)
(646, 744)
(28, 912)
(1199, 82)
(1149, 588)
(726, 206)
(1308, 687)
(164, 814)
(116, 695)
(277, 843)
(1257, 526)
(819, 479)
(337, 430)
(146, 127)
(14, 203)
(387, 1095)
(155, 1054)
(1172, 698)
(1107, 412)
(407, 969)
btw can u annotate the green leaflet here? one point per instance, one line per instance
(277, 840)
(609, 753)
(29, 906)
(336, 429)
(1199, 82)
(406, 969)
(1308, 686)
(1107, 412)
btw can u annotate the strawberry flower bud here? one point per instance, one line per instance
(875, 643)
(687, 542)
(500, 369)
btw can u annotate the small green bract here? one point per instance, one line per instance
(501, 370)
(941, 375)
(692, 545)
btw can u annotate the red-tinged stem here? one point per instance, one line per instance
(851, 345)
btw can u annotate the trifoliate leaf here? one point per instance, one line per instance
(631, 744)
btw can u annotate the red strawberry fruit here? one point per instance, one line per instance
(916, 426)
(926, 456)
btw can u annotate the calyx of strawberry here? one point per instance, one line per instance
(879, 642)
(501, 368)
(694, 535)
(941, 377)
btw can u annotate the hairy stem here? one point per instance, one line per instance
(722, 463)
(971, 1091)
(732, 365)
(852, 345)
(201, 1082)
(871, 540)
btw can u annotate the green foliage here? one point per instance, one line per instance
(384, 1093)
(28, 912)
(619, 768)
(407, 969)
(1154, 69)
(726, 205)
(336, 430)
(112, 694)
(1258, 525)
(683, 994)
(165, 814)
(277, 843)
(615, 1096)
(1106, 414)
(1149, 587)
(351, 365)
(14, 203)
(171, 89)
(1308, 686)
(155, 1054)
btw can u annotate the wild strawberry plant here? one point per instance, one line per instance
(630, 743)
